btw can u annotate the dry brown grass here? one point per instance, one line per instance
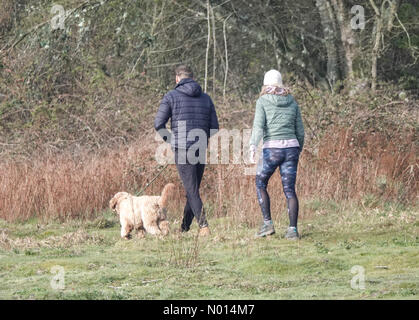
(341, 166)
(63, 241)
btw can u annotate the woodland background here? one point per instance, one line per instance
(77, 103)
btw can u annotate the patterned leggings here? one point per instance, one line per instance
(287, 161)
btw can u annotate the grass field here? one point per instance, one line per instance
(230, 264)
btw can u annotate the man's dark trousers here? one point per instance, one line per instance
(191, 176)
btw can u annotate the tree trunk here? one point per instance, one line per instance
(214, 59)
(347, 38)
(383, 16)
(329, 33)
(226, 55)
(208, 45)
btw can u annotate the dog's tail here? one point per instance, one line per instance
(165, 194)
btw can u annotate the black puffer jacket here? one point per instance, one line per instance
(189, 108)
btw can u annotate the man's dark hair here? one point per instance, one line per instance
(184, 71)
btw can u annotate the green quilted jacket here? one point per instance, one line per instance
(277, 117)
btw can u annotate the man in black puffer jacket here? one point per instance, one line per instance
(193, 121)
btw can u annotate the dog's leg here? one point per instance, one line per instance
(140, 233)
(125, 230)
(152, 228)
(164, 227)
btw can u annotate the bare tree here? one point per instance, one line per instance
(208, 45)
(226, 54)
(384, 16)
(346, 36)
(330, 36)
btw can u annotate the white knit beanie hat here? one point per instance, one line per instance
(273, 78)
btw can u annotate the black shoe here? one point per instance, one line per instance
(183, 230)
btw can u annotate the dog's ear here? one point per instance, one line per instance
(114, 201)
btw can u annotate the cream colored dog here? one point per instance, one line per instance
(144, 213)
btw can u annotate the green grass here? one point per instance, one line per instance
(230, 264)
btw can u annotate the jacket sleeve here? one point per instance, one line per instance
(163, 114)
(258, 124)
(214, 127)
(299, 128)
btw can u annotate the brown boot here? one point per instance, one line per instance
(203, 232)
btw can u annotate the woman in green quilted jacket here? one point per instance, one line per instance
(278, 121)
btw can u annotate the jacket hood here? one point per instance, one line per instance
(277, 100)
(189, 87)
